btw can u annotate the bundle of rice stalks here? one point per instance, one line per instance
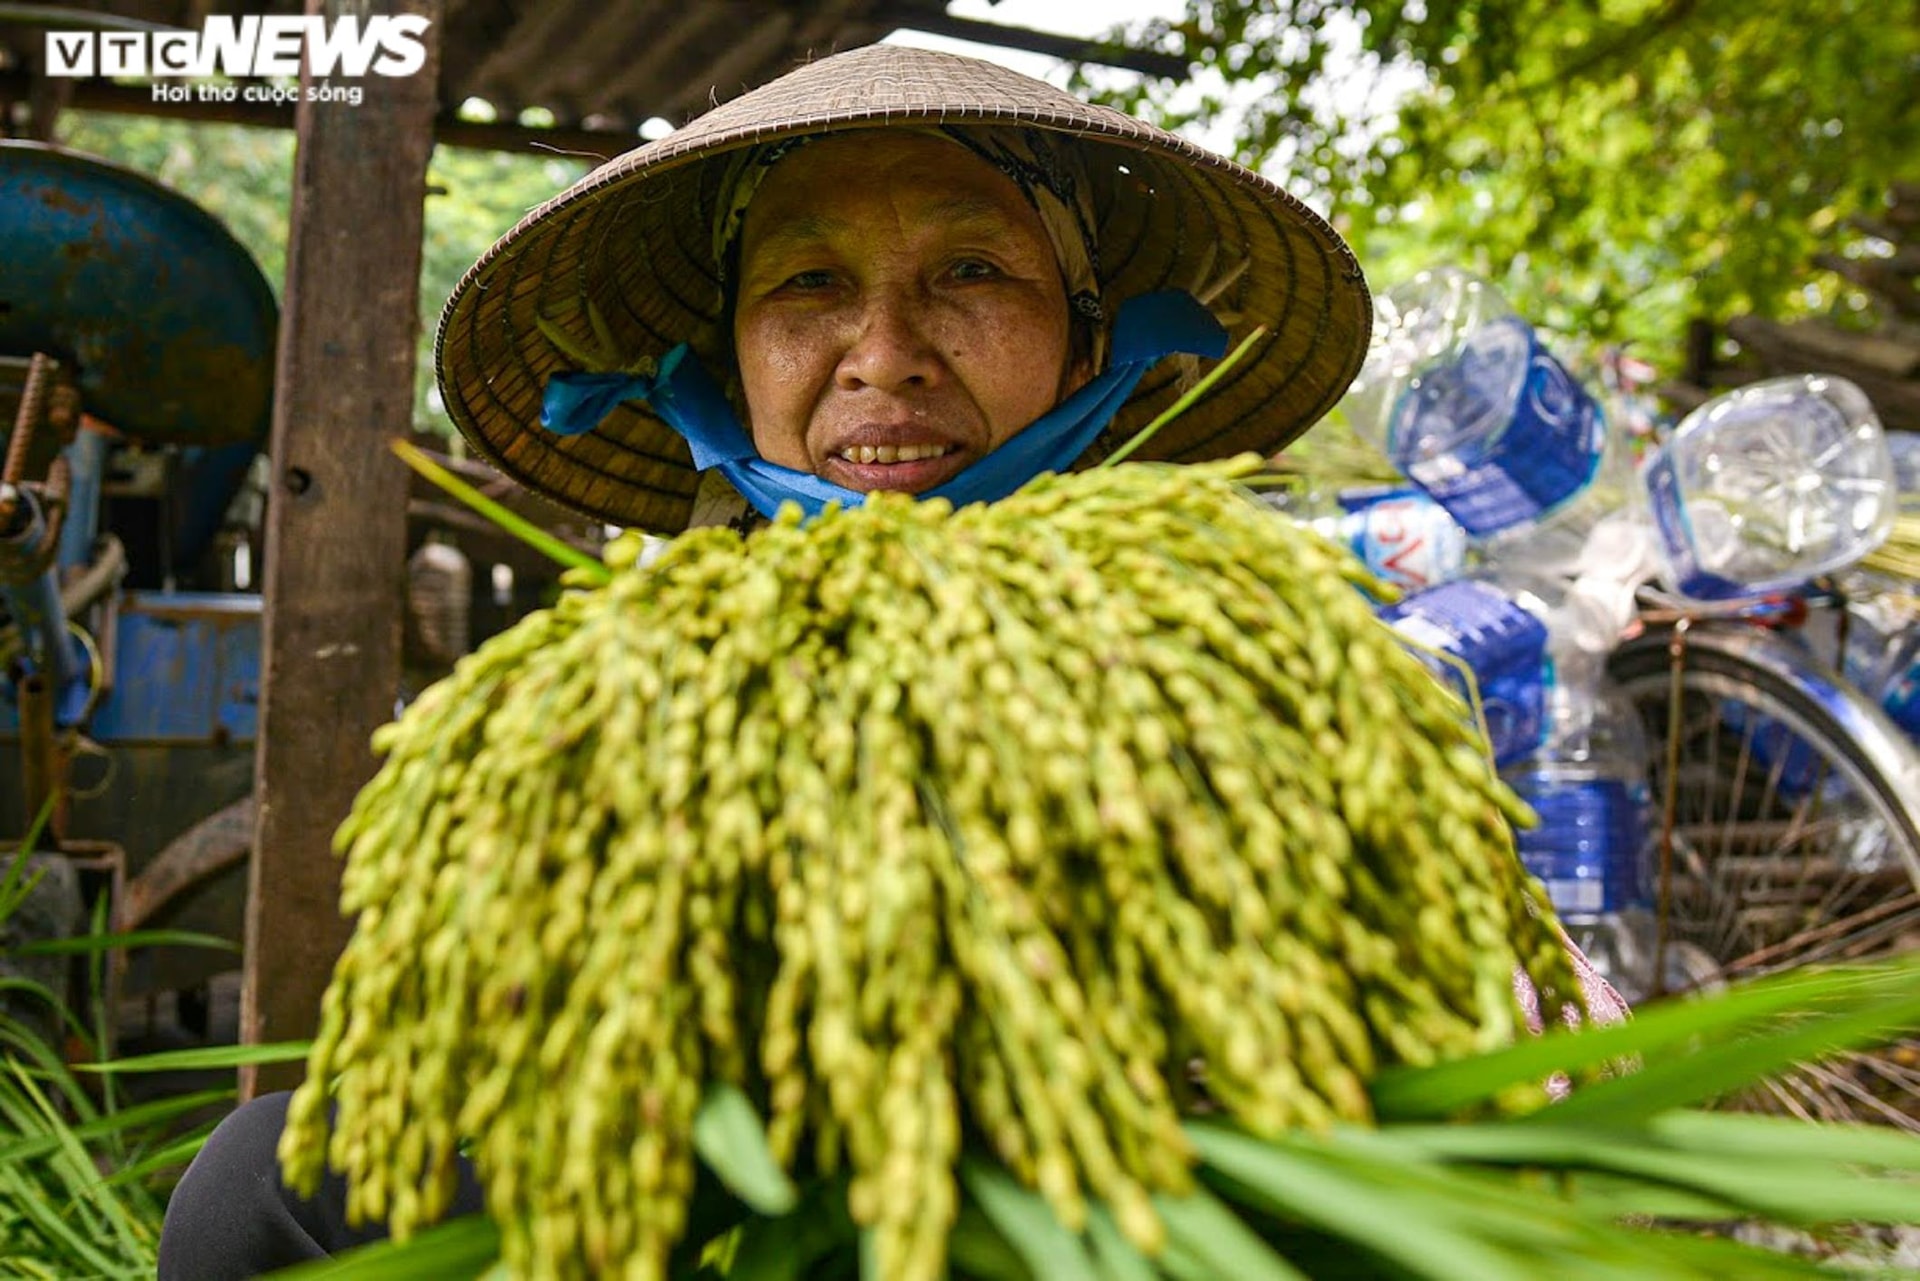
(1067, 887)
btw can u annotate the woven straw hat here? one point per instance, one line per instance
(634, 240)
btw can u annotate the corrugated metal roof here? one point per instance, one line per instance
(643, 58)
(605, 64)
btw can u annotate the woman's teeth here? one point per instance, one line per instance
(892, 453)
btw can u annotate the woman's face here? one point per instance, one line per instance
(900, 312)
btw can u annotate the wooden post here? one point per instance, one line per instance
(335, 574)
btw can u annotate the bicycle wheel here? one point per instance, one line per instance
(1796, 836)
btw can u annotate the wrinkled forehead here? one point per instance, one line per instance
(1047, 170)
(898, 178)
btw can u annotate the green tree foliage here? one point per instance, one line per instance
(474, 197)
(1618, 165)
(244, 176)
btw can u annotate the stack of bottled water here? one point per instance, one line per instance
(1463, 398)
(1564, 740)
(1756, 492)
(1474, 628)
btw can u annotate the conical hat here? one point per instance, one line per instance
(624, 260)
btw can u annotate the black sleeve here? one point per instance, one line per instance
(232, 1218)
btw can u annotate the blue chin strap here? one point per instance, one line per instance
(685, 396)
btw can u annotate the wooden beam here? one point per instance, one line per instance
(729, 75)
(1150, 62)
(128, 100)
(1781, 350)
(335, 578)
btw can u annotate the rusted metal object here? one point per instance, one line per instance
(164, 319)
(35, 477)
(32, 407)
(206, 849)
(42, 761)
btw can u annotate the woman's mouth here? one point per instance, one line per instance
(906, 469)
(891, 453)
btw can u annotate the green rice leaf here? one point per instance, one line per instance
(1788, 1191)
(1884, 994)
(1675, 1081)
(70, 1180)
(458, 1250)
(975, 1247)
(45, 996)
(1028, 1223)
(1212, 1233)
(1785, 1139)
(1116, 1257)
(26, 1147)
(1721, 1257)
(784, 1248)
(527, 532)
(1614, 1196)
(133, 938)
(36, 1210)
(1294, 1182)
(729, 1137)
(173, 1156)
(210, 1058)
(14, 883)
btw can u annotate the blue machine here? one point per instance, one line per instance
(165, 319)
(158, 329)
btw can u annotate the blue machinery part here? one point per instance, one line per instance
(87, 456)
(33, 601)
(169, 328)
(186, 672)
(162, 314)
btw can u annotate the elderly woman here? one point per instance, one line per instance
(889, 270)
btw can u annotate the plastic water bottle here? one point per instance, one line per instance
(1401, 535)
(1768, 486)
(1519, 633)
(1566, 740)
(1905, 448)
(1593, 846)
(1459, 393)
(1896, 682)
(1497, 641)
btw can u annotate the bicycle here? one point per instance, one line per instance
(1788, 825)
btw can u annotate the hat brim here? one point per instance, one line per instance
(624, 258)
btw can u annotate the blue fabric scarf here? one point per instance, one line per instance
(686, 397)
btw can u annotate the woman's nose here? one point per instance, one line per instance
(890, 346)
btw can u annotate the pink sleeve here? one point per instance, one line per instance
(1604, 1004)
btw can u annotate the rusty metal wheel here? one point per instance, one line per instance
(1794, 809)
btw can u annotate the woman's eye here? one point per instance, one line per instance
(816, 279)
(974, 269)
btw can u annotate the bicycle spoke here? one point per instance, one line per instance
(1792, 843)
